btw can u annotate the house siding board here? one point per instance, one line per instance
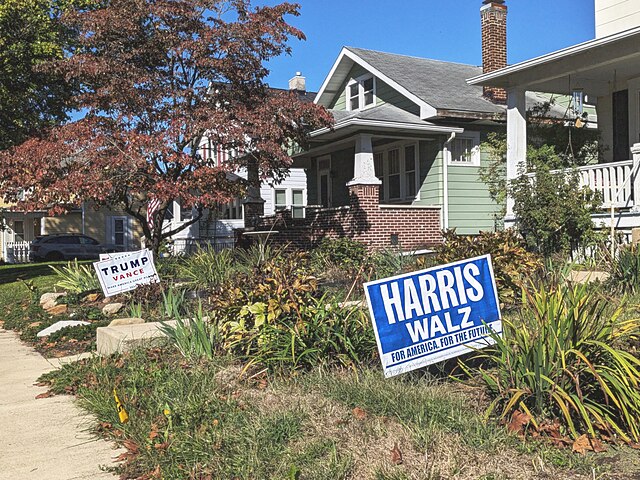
(340, 100)
(471, 209)
(296, 180)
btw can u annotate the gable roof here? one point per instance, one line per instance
(432, 84)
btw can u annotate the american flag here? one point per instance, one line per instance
(152, 207)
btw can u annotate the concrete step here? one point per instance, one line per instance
(123, 338)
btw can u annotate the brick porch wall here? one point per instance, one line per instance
(364, 220)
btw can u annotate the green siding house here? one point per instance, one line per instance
(410, 126)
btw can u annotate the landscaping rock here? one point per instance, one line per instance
(49, 305)
(57, 310)
(92, 297)
(112, 308)
(586, 276)
(126, 321)
(59, 326)
(51, 297)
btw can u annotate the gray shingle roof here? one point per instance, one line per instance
(385, 113)
(442, 85)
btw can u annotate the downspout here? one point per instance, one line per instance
(445, 181)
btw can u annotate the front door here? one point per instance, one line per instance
(324, 181)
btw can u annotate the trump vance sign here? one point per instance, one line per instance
(125, 271)
(429, 316)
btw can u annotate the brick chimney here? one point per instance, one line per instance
(298, 83)
(493, 14)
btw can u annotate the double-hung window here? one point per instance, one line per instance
(293, 200)
(361, 92)
(397, 167)
(465, 150)
(281, 199)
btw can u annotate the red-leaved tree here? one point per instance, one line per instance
(157, 76)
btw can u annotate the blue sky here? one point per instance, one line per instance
(439, 29)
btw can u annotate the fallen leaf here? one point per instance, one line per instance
(634, 445)
(41, 384)
(131, 446)
(359, 413)
(161, 446)
(519, 420)
(584, 444)
(396, 455)
(46, 394)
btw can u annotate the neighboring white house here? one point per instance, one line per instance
(217, 227)
(607, 71)
(613, 16)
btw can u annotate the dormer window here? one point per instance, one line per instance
(361, 92)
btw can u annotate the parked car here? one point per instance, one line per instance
(67, 246)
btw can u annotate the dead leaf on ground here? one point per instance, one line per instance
(518, 421)
(359, 413)
(46, 394)
(396, 455)
(584, 444)
(161, 446)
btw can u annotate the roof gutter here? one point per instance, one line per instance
(361, 122)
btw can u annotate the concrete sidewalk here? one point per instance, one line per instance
(45, 438)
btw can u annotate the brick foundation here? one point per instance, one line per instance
(365, 220)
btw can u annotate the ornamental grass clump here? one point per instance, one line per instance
(561, 357)
(76, 278)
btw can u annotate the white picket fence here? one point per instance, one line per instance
(17, 252)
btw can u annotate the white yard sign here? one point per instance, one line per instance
(125, 271)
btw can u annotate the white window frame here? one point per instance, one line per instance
(384, 188)
(288, 195)
(474, 161)
(126, 233)
(360, 82)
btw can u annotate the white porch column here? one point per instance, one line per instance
(364, 171)
(516, 139)
(635, 177)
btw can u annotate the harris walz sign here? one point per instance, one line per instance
(429, 316)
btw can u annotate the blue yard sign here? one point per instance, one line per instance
(429, 316)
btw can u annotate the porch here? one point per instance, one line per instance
(604, 72)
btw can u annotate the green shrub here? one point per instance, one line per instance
(273, 317)
(344, 252)
(76, 278)
(625, 271)
(560, 357)
(206, 267)
(320, 333)
(512, 263)
(553, 212)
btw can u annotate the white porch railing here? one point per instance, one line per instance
(611, 180)
(17, 252)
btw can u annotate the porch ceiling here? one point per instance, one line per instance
(598, 66)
